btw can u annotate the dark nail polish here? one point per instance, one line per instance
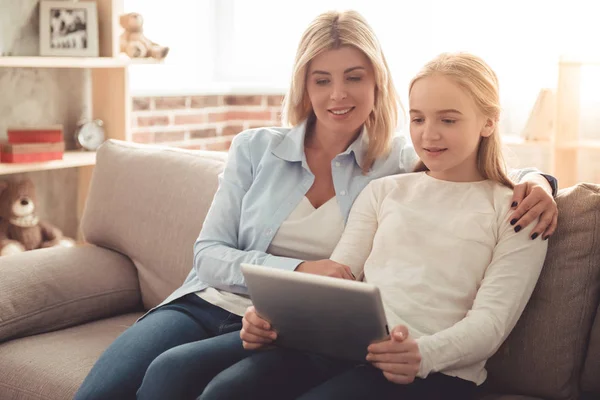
(534, 236)
(513, 221)
(546, 237)
(514, 204)
(517, 228)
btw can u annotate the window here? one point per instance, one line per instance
(186, 27)
(232, 44)
(521, 39)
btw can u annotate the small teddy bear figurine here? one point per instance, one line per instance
(134, 43)
(20, 228)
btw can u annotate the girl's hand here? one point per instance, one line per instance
(398, 357)
(256, 333)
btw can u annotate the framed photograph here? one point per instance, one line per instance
(68, 28)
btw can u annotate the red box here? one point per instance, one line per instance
(42, 134)
(31, 152)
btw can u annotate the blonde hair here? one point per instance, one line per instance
(479, 80)
(332, 30)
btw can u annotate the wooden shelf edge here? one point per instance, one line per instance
(72, 62)
(575, 60)
(583, 144)
(513, 141)
(71, 159)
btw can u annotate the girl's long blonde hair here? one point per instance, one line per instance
(479, 80)
(332, 30)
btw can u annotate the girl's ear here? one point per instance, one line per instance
(489, 127)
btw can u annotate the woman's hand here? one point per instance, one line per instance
(532, 200)
(326, 268)
(256, 333)
(398, 357)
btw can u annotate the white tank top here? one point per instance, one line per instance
(307, 234)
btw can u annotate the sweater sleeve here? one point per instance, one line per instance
(507, 285)
(356, 242)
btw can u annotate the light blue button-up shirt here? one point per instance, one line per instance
(265, 178)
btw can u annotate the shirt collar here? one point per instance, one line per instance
(291, 148)
(359, 147)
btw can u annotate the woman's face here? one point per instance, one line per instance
(340, 84)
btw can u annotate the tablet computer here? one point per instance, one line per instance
(329, 316)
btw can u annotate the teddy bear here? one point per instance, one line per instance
(20, 228)
(134, 43)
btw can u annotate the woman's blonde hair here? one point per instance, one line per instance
(332, 30)
(479, 80)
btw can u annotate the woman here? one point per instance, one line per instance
(282, 201)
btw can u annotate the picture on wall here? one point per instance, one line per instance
(68, 28)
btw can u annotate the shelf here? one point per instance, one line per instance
(520, 141)
(574, 60)
(70, 159)
(72, 62)
(582, 144)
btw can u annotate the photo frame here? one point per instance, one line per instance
(69, 28)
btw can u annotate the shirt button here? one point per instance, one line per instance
(337, 163)
(343, 192)
(268, 231)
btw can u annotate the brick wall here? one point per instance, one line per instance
(210, 122)
(201, 122)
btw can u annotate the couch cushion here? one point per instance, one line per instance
(590, 380)
(50, 289)
(543, 355)
(51, 366)
(149, 203)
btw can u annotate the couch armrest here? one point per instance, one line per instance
(49, 289)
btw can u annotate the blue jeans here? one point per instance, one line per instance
(286, 374)
(366, 382)
(172, 353)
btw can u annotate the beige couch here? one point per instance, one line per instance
(60, 308)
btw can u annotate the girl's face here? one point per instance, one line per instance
(446, 127)
(341, 87)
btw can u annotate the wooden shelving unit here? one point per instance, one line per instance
(111, 101)
(555, 121)
(579, 61)
(70, 62)
(71, 159)
(578, 145)
(566, 142)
